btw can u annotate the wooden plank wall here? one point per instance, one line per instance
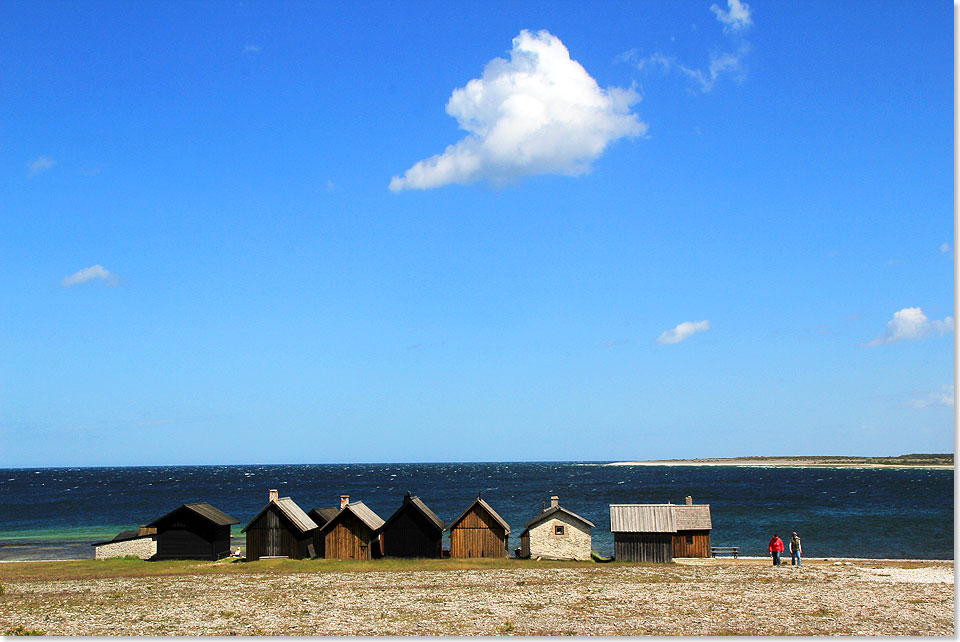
(478, 535)
(699, 547)
(273, 535)
(410, 534)
(189, 536)
(643, 547)
(348, 539)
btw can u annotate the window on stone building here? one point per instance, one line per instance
(558, 530)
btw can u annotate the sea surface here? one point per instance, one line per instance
(57, 513)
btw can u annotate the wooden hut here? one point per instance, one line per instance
(353, 533)
(320, 517)
(557, 533)
(193, 532)
(660, 532)
(412, 531)
(479, 532)
(280, 529)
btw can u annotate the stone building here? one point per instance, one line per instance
(557, 533)
(141, 542)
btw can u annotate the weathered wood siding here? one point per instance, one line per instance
(410, 534)
(349, 539)
(186, 536)
(697, 546)
(272, 535)
(643, 547)
(478, 535)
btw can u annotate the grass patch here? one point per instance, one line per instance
(822, 612)
(506, 627)
(22, 630)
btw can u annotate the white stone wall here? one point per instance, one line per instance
(574, 544)
(142, 547)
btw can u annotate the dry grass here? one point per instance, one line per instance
(483, 597)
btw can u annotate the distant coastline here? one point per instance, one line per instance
(934, 461)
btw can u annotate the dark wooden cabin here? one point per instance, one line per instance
(353, 533)
(320, 517)
(280, 529)
(193, 532)
(412, 531)
(479, 532)
(659, 532)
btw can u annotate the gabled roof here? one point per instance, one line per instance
(289, 509)
(553, 510)
(204, 510)
(485, 507)
(124, 536)
(323, 515)
(692, 517)
(659, 518)
(642, 518)
(413, 500)
(362, 512)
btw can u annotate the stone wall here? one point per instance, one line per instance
(574, 544)
(142, 547)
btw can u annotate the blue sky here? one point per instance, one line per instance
(247, 232)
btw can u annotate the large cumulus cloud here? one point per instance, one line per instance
(538, 113)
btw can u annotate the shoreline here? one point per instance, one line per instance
(777, 463)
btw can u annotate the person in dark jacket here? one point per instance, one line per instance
(776, 547)
(795, 549)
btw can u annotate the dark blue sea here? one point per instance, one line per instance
(56, 513)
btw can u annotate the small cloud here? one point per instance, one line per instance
(683, 331)
(945, 248)
(737, 16)
(92, 273)
(941, 398)
(40, 164)
(251, 49)
(911, 324)
(538, 113)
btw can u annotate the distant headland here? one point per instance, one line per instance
(942, 460)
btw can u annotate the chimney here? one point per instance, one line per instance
(274, 495)
(554, 501)
(543, 507)
(688, 500)
(344, 500)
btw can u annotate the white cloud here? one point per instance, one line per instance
(945, 248)
(538, 113)
(942, 398)
(683, 331)
(727, 63)
(737, 16)
(92, 273)
(911, 324)
(40, 164)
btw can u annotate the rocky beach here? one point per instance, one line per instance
(501, 597)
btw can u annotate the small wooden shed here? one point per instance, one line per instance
(693, 523)
(557, 533)
(353, 533)
(280, 529)
(412, 531)
(479, 532)
(320, 517)
(659, 532)
(193, 532)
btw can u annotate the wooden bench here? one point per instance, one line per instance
(725, 550)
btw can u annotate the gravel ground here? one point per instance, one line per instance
(712, 597)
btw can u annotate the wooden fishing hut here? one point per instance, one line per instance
(353, 533)
(412, 531)
(193, 532)
(479, 532)
(280, 529)
(320, 517)
(660, 532)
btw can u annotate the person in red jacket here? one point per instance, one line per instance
(776, 547)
